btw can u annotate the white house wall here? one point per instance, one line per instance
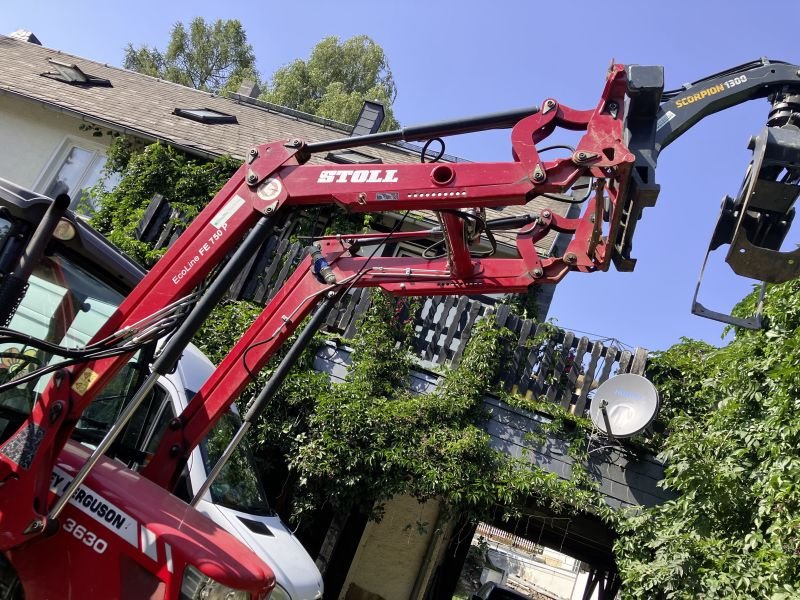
(32, 135)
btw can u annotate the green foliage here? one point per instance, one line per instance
(188, 184)
(370, 438)
(733, 457)
(525, 305)
(224, 327)
(211, 57)
(335, 80)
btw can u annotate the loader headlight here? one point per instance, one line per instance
(197, 586)
(64, 231)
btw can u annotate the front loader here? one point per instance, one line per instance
(52, 492)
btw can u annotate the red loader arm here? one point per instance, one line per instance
(443, 187)
(273, 180)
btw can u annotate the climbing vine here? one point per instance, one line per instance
(370, 438)
(187, 183)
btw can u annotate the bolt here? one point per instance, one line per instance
(570, 258)
(612, 106)
(55, 411)
(362, 198)
(402, 286)
(546, 214)
(175, 424)
(252, 155)
(537, 272)
(174, 450)
(252, 179)
(584, 156)
(295, 143)
(36, 525)
(268, 210)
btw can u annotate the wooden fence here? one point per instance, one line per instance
(545, 362)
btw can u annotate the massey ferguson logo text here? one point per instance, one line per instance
(358, 176)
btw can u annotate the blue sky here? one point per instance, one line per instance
(460, 58)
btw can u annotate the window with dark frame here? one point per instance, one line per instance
(205, 115)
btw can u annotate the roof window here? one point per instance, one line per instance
(352, 157)
(72, 74)
(204, 115)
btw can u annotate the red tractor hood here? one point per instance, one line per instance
(162, 527)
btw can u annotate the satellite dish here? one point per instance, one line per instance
(624, 405)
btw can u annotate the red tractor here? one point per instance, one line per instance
(74, 524)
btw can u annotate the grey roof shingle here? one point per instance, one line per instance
(142, 106)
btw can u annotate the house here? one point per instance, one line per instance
(55, 112)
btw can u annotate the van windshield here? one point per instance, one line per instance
(238, 485)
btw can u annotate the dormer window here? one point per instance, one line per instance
(204, 115)
(72, 74)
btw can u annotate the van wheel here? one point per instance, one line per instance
(10, 585)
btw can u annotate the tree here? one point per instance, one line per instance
(336, 80)
(187, 182)
(733, 455)
(212, 57)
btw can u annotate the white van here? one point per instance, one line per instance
(236, 500)
(72, 291)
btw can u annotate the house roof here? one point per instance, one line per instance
(143, 106)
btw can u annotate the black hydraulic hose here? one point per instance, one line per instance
(271, 387)
(501, 120)
(172, 351)
(511, 222)
(83, 358)
(14, 285)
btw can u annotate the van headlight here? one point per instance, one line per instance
(278, 593)
(197, 586)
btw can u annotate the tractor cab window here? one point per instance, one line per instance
(66, 305)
